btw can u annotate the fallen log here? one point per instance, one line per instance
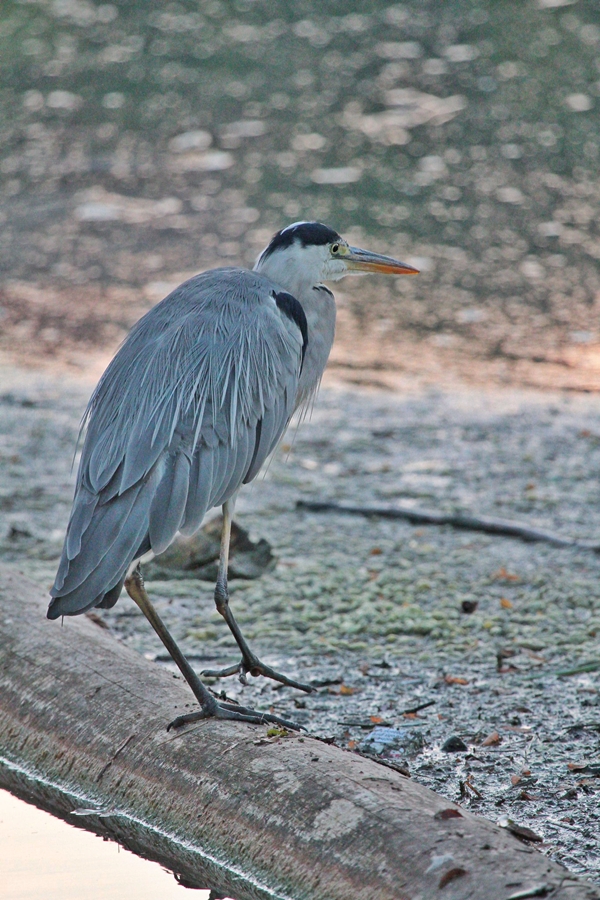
(82, 730)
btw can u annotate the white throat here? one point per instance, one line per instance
(297, 268)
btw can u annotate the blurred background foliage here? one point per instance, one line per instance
(141, 141)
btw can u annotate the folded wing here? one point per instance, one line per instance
(195, 400)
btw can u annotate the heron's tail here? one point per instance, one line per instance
(73, 604)
(117, 535)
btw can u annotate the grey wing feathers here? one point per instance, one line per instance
(273, 424)
(168, 503)
(199, 490)
(238, 462)
(190, 407)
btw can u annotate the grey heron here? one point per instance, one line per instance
(195, 400)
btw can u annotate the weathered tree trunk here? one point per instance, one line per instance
(82, 725)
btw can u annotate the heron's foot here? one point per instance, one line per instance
(251, 665)
(224, 710)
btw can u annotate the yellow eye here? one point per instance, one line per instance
(335, 248)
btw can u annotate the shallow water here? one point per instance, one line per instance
(44, 857)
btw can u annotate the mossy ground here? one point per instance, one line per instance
(371, 609)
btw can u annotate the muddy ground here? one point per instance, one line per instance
(372, 610)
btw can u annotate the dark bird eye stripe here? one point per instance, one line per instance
(292, 308)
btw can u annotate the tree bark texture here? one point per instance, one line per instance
(82, 727)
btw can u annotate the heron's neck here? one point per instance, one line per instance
(292, 273)
(318, 303)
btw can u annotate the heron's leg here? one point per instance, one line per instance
(250, 662)
(210, 706)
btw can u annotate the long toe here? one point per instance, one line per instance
(222, 673)
(250, 715)
(253, 666)
(264, 717)
(260, 669)
(238, 713)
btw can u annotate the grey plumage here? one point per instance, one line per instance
(190, 407)
(193, 403)
(199, 491)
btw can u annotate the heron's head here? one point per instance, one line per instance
(310, 252)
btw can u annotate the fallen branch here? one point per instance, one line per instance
(487, 524)
(82, 734)
(591, 666)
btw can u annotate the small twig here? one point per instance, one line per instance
(595, 726)
(367, 725)
(416, 709)
(402, 768)
(466, 786)
(233, 746)
(591, 666)
(456, 520)
(327, 682)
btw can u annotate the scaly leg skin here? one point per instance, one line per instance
(250, 663)
(210, 706)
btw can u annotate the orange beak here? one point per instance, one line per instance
(364, 261)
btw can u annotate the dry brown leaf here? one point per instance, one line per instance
(505, 603)
(448, 814)
(493, 738)
(450, 875)
(503, 575)
(455, 679)
(522, 832)
(346, 690)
